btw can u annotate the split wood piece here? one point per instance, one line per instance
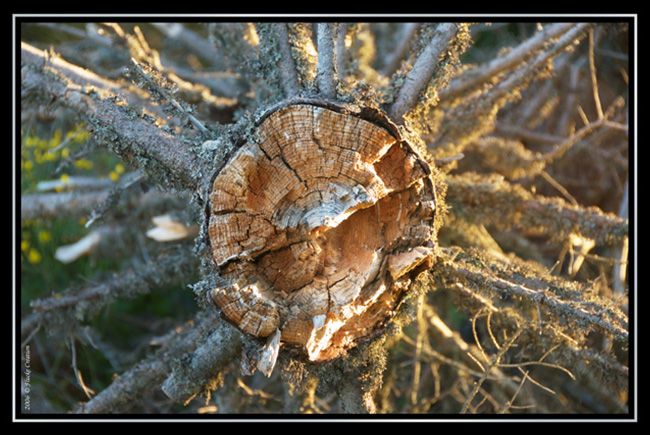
(319, 225)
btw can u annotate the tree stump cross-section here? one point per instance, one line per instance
(319, 226)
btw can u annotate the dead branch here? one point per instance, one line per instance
(490, 200)
(340, 50)
(287, 68)
(549, 294)
(326, 75)
(303, 52)
(141, 279)
(52, 205)
(409, 31)
(42, 60)
(218, 350)
(194, 42)
(147, 375)
(136, 140)
(489, 71)
(423, 69)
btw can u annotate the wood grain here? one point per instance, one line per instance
(319, 226)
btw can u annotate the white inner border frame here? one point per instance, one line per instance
(375, 417)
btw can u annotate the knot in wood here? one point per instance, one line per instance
(319, 226)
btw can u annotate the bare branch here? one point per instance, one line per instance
(326, 75)
(218, 350)
(493, 201)
(147, 375)
(194, 42)
(340, 50)
(489, 71)
(406, 40)
(425, 65)
(548, 293)
(141, 279)
(287, 67)
(129, 136)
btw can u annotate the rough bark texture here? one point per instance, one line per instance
(319, 225)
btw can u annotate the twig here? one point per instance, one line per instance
(326, 75)
(77, 373)
(565, 193)
(493, 362)
(423, 68)
(594, 79)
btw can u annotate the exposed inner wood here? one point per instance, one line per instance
(319, 225)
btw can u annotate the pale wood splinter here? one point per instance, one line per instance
(320, 226)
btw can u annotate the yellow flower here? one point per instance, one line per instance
(83, 164)
(44, 236)
(65, 178)
(65, 153)
(113, 176)
(24, 245)
(34, 256)
(119, 168)
(28, 165)
(55, 140)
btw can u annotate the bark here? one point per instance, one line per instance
(423, 69)
(559, 298)
(326, 75)
(141, 279)
(493, 201)
(136, 140)
(287, 68)
(146, 376)
(219, 349)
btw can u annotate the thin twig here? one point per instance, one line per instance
(594, 79)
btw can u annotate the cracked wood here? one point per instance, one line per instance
(319, 226)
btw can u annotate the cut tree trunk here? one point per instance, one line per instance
(319, 225)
